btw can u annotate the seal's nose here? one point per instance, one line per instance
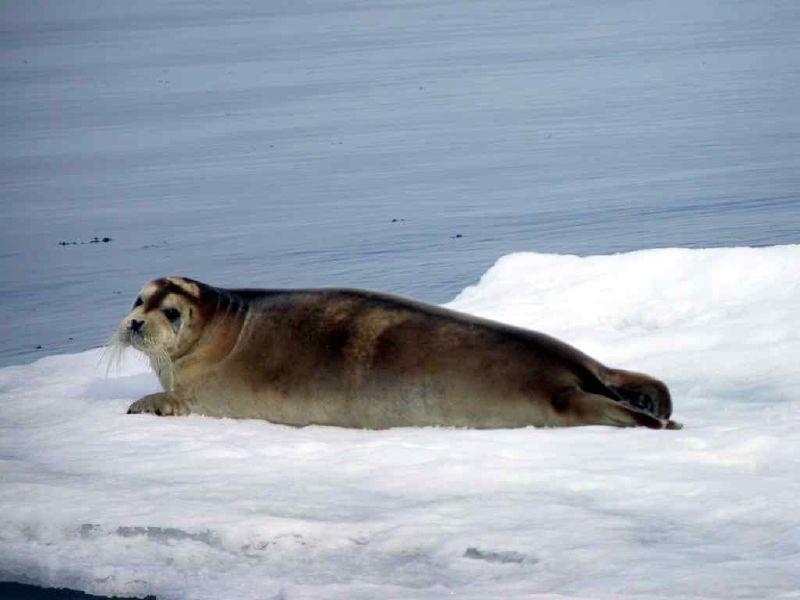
(136, 325)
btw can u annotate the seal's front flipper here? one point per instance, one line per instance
(576, 407)
(161, 404)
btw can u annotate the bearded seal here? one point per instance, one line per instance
(361, 359)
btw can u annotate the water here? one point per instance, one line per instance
(275, 144)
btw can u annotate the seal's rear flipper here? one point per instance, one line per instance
(640, 391)
(576, 407)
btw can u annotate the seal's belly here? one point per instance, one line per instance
(374, 400)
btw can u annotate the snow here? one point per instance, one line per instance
(94, 499)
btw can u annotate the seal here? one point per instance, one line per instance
(355, 358)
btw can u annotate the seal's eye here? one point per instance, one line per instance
(172, 314)
(138, 302)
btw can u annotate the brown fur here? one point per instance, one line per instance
(354, 358)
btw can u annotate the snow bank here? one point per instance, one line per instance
(195, 507)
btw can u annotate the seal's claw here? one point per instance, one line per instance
(145, 405)
(162, 405)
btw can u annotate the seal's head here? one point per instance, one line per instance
(166, 318)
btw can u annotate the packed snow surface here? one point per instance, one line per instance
(196, 507)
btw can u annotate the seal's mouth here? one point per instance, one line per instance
(129, 338)
(125, 337)
(138, 341)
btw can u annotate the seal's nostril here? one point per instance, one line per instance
(136, 325)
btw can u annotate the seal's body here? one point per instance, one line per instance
(362, 359)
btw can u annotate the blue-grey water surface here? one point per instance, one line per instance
(401, 146)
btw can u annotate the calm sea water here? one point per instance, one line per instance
(396, 146)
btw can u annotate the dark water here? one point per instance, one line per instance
(275, 144)
(19, 591)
